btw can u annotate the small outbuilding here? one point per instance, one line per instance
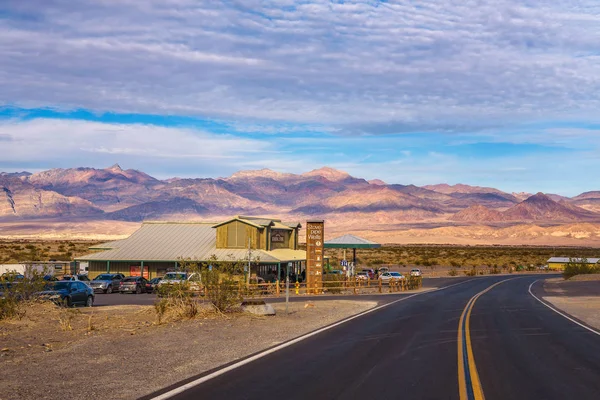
(351, 242)
(559, 263)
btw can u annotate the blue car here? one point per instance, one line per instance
(69, 293)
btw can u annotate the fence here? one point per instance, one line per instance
(342, 286)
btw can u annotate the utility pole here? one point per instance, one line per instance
(287, 292)
(249, 258)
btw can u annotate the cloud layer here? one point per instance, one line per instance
(362, 66)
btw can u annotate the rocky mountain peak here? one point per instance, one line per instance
(328, 173)
(115, 168)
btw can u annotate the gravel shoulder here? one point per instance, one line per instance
(579, 298)
(121, 352)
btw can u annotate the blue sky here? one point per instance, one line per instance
(502, 93)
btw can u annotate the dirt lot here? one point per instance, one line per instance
(98, 353)
(578, 296)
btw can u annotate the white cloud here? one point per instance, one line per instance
(366, 66)
(48, 142)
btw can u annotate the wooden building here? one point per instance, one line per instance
(158, 247)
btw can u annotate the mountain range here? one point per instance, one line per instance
(114, 194)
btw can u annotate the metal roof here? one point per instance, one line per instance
(261, 222)
(567, 259)
(350, 242)
(173, 241)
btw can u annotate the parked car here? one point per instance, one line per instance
(152, 284)
(415, 272)
(11, 277)
(106, 283)
(383, 270)
(178, 278)
(69, 293)
(133, 284)
(77, 277)
(362, 276)
(386, 277)
(370, 272)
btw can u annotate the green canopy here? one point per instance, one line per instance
(350, 242)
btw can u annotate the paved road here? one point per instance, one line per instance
(145, 299)
(514, 348)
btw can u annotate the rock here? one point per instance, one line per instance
(258, 307)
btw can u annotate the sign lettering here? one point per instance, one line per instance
(314, 251)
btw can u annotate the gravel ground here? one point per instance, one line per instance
(579, 298)
(140, 357)
(584, 308)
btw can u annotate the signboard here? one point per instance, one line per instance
(315, 235)
(134, 270)
(277, 236)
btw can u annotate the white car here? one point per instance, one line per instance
(175, 278)
(391, 276)
(362, 276)
(415, 272)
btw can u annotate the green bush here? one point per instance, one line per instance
(579, 267)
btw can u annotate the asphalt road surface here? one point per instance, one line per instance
(483, 337)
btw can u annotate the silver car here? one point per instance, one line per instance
(106, 283)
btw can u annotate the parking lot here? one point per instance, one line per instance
(148, 299)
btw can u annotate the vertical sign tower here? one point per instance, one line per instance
(315, 235)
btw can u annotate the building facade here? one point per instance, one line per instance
(269, 245)
(559, 263)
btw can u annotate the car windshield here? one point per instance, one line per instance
(103, 277)
(396, 273)
(175, 276)
(155, 280)
(130, 279)
(61, 285)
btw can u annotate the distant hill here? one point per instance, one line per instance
(538, 207)
(114, 193)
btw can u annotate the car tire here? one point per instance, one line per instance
(90, 301)
(138, 290)
(109, 290)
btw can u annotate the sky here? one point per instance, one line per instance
(499, 93)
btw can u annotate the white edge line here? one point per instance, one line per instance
(560, 313)
(255, 357)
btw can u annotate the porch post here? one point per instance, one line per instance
(278, 272)
(107, 266)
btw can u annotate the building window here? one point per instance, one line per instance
(236, 235)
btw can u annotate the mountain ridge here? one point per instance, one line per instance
(115, 193)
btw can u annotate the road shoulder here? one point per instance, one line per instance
(579, 299)
(154, 355)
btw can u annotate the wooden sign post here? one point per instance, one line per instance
(315, 237)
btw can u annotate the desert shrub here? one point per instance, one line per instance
(579, 267)
(453, 272)
(177, 301)
(18, 289)
(9, 308)
(471, 272)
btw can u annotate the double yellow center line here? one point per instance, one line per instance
(469, 385)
